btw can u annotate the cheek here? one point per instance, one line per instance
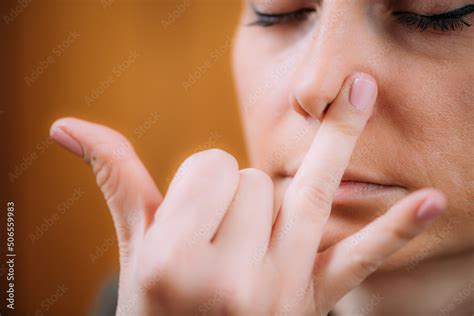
(263, 89)
(424, 110)
(428, 106)
(263, 80)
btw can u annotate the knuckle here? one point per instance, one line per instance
(257, 177)
(215, 158)
(157, 272)
(402, 234)
(315, 195)
(211, 169)
(234, 297)
(216, 165)
(346, 127)
(212, 161)
(149, 281)
(168, 258)
(364, 266)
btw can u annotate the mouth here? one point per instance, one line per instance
(351, 191)
(362, 187)
(358, 186)
(362, 196)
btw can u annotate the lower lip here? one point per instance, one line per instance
(353, 191)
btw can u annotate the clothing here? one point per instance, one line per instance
(107, 299)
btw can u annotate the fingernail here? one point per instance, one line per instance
(363, 93)
(430, 209)
(66, 140)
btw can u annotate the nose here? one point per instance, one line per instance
(341, 44)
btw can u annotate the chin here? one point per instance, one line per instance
(425, 248)
(356, 205)
(339, 228)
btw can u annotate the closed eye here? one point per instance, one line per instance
(455, 20)
(449, 21)
(267, 19)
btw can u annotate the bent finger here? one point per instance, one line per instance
(198, 198)
(246, 228)
(346, 264)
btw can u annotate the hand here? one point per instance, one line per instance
(211, 245)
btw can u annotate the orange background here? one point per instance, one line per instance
(129, 65)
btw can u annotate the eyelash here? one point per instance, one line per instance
(267, 20)
(449, 21)
(445, 22)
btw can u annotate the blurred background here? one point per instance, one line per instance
(158, 71)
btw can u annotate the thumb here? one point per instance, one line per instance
(128, 188)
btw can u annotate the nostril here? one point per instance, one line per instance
(314, 108)
(325, 110)
(297, 105)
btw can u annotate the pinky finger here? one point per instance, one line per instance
(345, 265)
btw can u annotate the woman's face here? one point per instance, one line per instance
(422, 131)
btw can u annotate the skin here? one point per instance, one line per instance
(420, 134)
(287, 237)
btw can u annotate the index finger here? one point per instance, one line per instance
(307, 203)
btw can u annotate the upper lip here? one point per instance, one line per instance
(362, 176)
(352, 176)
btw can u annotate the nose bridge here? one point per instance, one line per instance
(335, 52)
